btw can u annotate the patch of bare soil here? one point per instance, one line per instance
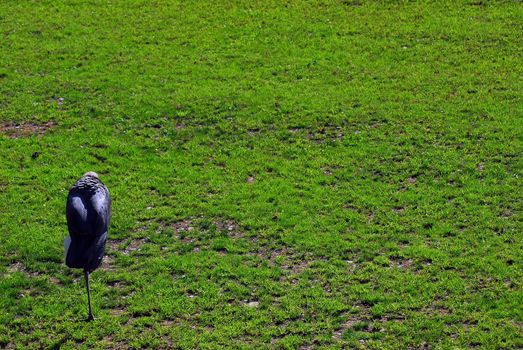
(296, 266)
(230, 227)
(112, 246)
(109, 342)
(108, 263)
(437, 307)
(401, 263)
(124, 246)
(186, 226)
(361, 318)
(253, 304)
(117, 312)
(20, 267)
(347, 324)
(183, 225)
(306, 347)
(15, 131)
(135, 245)
(366, 212)
(398, 210)
(411, 180)
(326, 133)
(167, 323)
(193, 230)
(287, 259)
(186, 233)
(16, 267)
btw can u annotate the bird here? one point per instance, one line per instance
(88, 212)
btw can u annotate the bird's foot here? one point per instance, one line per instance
(90, 318)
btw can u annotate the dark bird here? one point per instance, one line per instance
(88, 212)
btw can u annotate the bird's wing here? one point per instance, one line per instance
(95, 253)
(77, 214)
(86, 252)
(101, 204)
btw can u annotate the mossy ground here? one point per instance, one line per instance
(301, 174)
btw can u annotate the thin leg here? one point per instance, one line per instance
(90, 317)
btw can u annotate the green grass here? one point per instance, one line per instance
(301, 174)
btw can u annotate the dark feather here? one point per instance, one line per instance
(88, 213)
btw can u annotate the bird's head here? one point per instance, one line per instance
(91, 173)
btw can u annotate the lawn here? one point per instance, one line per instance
(284, 174)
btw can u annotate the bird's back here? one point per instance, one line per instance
(88, 207)
(88, 213)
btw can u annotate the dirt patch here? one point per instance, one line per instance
(20, 267)
(436, 308)
(270, 255)
(360, 322)
(230, 227)
(295, 129)
(326, 133)
(117, 312)
(54, 280)
(183, 225)
(392, 318)
(366, 212)
(296, 266)
(291, 262)
(439, 310)
(252, 304)
(124, 246)
(109, 343)
(225, 225)
(16, 267)
(401, 263)
(480, 167)
(120, 285)
(398, 210)
(29, 292)
(107, 263)
(135, 245)
(330, 169)
(351, 265)
(199, 232)
(15, 131)
(306, 347)
(185, 229)
(222, 225)
(506, 213)
(350, 321)
(112, 246)
(167, 323)
(517, 324)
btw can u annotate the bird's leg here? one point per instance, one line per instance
(90, 317)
